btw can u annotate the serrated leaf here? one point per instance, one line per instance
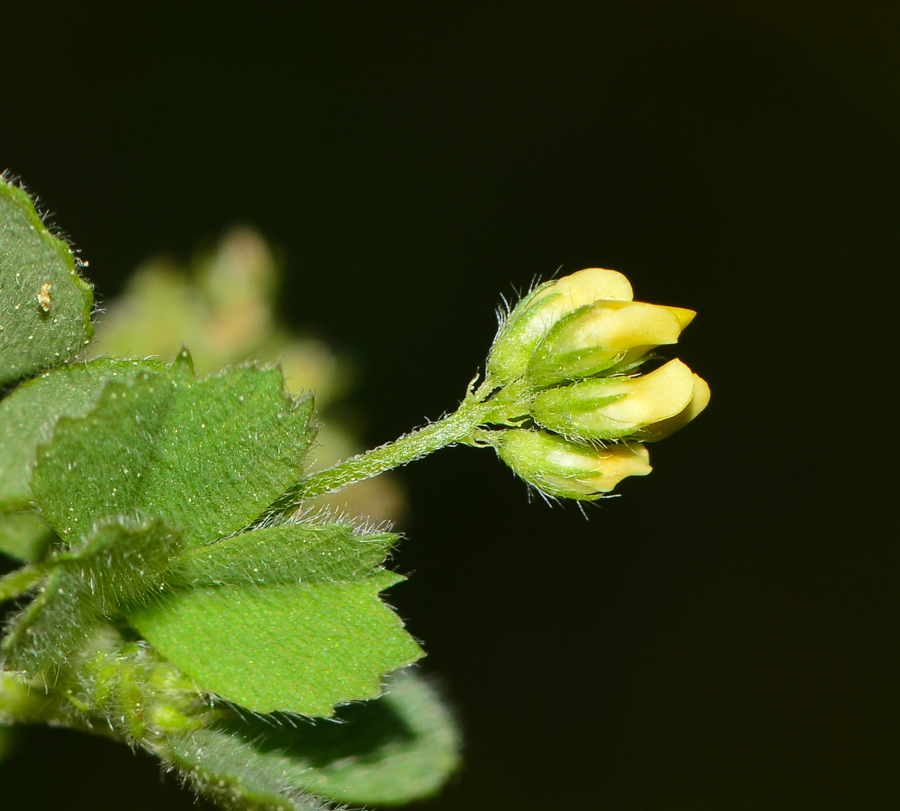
(300, 647)
(396, 749)
(29, 415)
(207, 455)
(118, 564)
(45, 306)
(286, 553)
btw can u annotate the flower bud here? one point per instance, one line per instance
(565, 469)
(615, 407)
(699, 401)
(598, 336)
(536, 314)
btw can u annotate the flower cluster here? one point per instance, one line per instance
(573, 349)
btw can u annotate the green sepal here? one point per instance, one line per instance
(549, 367)
(516, 339)
(393, 750)
(569, 410)
(45, 306)
(207, 455)
(294, 647)
(120, 562)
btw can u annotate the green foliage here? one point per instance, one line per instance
(396, 749)
(166, 444)
(162, 579)
(28, 418)
(45, 305)
(25, 535)
(187, 593)
(116, 565)
(297, 647)
(286, 553)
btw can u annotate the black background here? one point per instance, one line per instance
(723, 634)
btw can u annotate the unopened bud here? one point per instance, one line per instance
(699, 401)
(535, 315)
(598, 336)
(615, 407)
(565, 469)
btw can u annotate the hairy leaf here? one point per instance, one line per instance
(298, 647)
(45, 306)
(396, 749)
(29, 415)
(207, 455)
(286, 553)
(118, 564)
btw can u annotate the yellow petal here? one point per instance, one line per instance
(587, 286)
(683, 315)
(699, 400)
(623, 325)
(653, 397)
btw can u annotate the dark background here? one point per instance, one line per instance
(722, 635)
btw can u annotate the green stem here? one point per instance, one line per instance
(482, 406)
(450, 430)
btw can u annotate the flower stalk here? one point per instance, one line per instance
(563, 402)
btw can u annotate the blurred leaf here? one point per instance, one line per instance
(299, 647)
(396, 749)
(25, 535)
(118, 564)
(206, 455)
(45, 306)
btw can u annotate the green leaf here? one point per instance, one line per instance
(207, 455)
(20, 581)
(29, 415)
(286, 553)
(25, 535)
(28, 418)
(298, 647)
(45, 306)
(118, 564)
(394, 750)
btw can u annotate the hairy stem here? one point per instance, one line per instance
(482, 406)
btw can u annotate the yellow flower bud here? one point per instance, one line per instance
(615, 407)
(536, 314)
(601, 335)
(699, 401)
(565, 469)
